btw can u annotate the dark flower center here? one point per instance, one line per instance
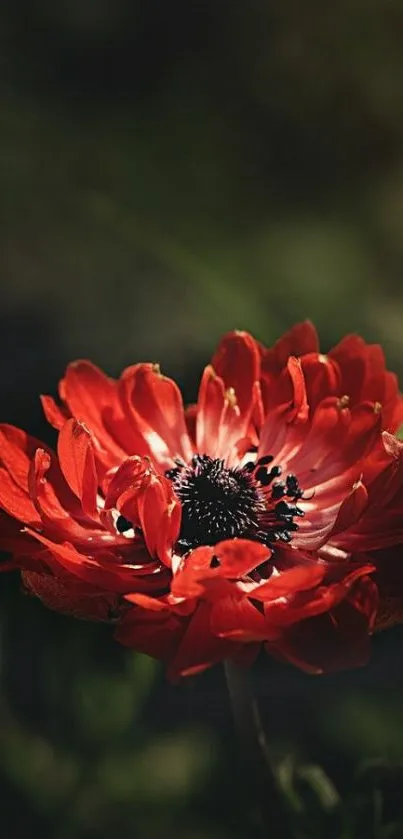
(220, 503)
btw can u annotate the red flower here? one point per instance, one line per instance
(269, 513)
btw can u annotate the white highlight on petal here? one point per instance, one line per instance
(175, 563)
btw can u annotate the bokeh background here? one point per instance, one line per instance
(171, 170)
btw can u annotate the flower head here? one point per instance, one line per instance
(266, 514)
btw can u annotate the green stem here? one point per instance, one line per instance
(259, 779)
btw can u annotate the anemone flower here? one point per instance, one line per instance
(267, 514)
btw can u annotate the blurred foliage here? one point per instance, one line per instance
(170, 171)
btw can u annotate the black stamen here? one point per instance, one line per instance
(278, 490)
(171, 473)
(264, 477)
(293, 526)
(284, 508)
(123, 524)
(217, 503)
(293, 488)
(261, 475)
(263, 461)
(221, 503)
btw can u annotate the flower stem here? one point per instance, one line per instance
(259, 778)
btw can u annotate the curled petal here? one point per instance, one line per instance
(286, 393)
(53, 499)
(156, 633)
(322, 378)
(213, 568)
(300, 404)
(54, 413)
(16, 502)
(102, 571)
(199, 648)
(291, 609)
(209, 412)
(238, 619)
(392, 404)
(126, 483)
(290, 581)
(92, 398)
(147, 500)
(299, 341)
(155, 405)
(364, 378)
(362, 366)
(335, 640)
(159, 514)
(16, 451)
(237, 363)
(351, 509)
(77, 463)
(221, 424)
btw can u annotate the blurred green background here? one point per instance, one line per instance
(171, 170)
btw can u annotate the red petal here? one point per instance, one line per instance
(196, 574)
(16, 451)
(103, 573)
(392, 404)
(153, 604)
(159, 514)
(290, 581)
(220, 424)
(239, 619)
(126, 483)
(76, 459)
(54, 414)
(15, 501)
(362, 367)
(42, 491)
(190, 419)
(300, 404)
(199, 570)
(152, 633)
(237, 362)
(209, 412)
(305, 604)
(92, 398)
(148, 500)
(199, 648)
(334, 641)
(59, 509)
(326, 430)
(299, 341)
(351, 509)
(156, 407)
(322, 378)
(239, 556)
(363, 433)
